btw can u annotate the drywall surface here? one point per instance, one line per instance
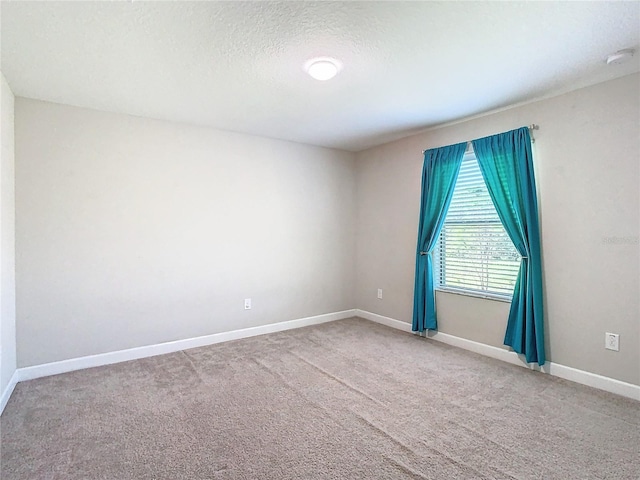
(586, 157)
(7, 238)
(132, 231)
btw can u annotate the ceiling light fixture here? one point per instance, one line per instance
(620, 56)
(322, 68)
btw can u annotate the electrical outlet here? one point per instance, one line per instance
(380, 293)
(612, 341)
(247, 304)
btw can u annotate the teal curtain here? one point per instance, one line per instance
(439, 174)
(507, 167)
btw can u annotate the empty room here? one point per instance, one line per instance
(319, 240)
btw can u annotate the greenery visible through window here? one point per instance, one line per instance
(474, 254)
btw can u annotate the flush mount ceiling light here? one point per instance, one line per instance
(322, 68)
(620, 56)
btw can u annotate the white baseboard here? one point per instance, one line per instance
(388, 321)
(54, 368)
(579, 376)
(6, 394)
(593, 380)
(557, 370)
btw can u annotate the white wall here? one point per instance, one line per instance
(7, 238)
(132, 231)
(586, 155)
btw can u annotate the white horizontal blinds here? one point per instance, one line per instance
(474, 252)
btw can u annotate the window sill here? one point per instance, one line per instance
(485, 296)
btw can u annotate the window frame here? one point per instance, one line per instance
(496, 296)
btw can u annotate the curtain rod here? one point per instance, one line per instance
(533, 126)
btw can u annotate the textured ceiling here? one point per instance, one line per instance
(238, 65)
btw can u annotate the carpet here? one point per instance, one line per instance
(344, 400)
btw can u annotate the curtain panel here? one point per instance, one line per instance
(506, 164)
(439, 174)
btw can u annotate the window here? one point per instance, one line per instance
(474, 254)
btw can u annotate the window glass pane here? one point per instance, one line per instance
(474, 252)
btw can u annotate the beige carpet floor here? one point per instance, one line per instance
(344, 400)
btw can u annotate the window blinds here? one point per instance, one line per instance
(474, 252)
